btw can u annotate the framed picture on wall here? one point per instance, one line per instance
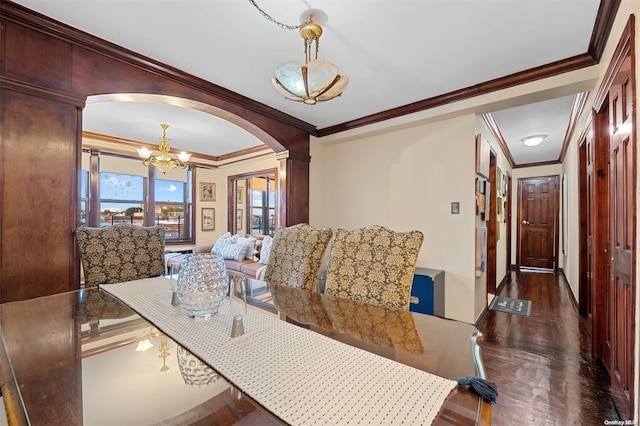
(239, 219)
(482, 156)
(208, 219)
(239, 194)
(207, 191)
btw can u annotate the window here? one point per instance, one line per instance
(262, 205)
(125, 192)
(172, 208)
(84, 197)
(254, 211)
(121, 199)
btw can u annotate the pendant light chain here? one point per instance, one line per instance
(268, 17)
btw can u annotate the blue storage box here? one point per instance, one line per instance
(427, 292)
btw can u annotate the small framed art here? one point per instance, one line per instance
(239, 219)
(208, 219)
(207, 191)
(239, 194)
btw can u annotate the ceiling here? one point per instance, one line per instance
(395, 52)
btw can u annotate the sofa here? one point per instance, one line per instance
(248, 264)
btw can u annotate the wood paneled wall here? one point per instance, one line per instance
(47, 70)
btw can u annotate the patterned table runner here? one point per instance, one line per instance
(299, 375)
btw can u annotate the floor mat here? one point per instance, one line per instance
(511, 306)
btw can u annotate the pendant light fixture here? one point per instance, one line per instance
(316, 80)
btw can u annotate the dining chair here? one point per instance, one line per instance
(121, 252)
(373, 265)
(296, 255)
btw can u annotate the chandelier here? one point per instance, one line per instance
(316, 80)
(165, 162)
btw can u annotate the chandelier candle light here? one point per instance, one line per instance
(164, 162)
(316, 80)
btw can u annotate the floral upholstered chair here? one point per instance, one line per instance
(296, 255)
(373, 265)
(121, 252)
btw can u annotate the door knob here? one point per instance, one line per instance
(525, 222)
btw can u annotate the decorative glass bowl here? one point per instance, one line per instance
(202, 285)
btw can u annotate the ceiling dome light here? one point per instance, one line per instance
(533, 140)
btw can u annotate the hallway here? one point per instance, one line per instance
(542, 363)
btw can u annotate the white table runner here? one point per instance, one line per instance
(299, 375)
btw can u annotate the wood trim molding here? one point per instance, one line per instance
(619, 56)
(565, 280)
(41, 92)
(495, 130)
(506, 279)
(601, 29)
(604, 21)
(538, 73)
(195, 156)
(576, 111)
(587, 126)
(248, 151)
(540, 163)
(39, 22)
(599, 36)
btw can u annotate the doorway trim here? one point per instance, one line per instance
(556, 222)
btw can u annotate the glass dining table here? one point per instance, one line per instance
(86, 358)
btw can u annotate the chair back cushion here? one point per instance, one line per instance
(373, 265)
(296, 254)
(122, 252)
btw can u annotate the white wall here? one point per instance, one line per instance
(407, 180)
(405, 172)
(570, 261)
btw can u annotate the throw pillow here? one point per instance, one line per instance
(220, 241)
(233, 251)
(267, 242)
(251, 243)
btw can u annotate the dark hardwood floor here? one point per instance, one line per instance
(542, 363)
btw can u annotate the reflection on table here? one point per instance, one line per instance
(443, 347)
(85, 358)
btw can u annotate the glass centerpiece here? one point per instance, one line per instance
(202, 285)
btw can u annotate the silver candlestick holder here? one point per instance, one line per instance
(237, 328)
(174, 299)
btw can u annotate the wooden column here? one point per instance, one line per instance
(40, 141)
(293, 186)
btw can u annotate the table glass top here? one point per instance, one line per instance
(86, 358)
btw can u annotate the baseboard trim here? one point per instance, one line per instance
(574, 302)
(505, 280)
